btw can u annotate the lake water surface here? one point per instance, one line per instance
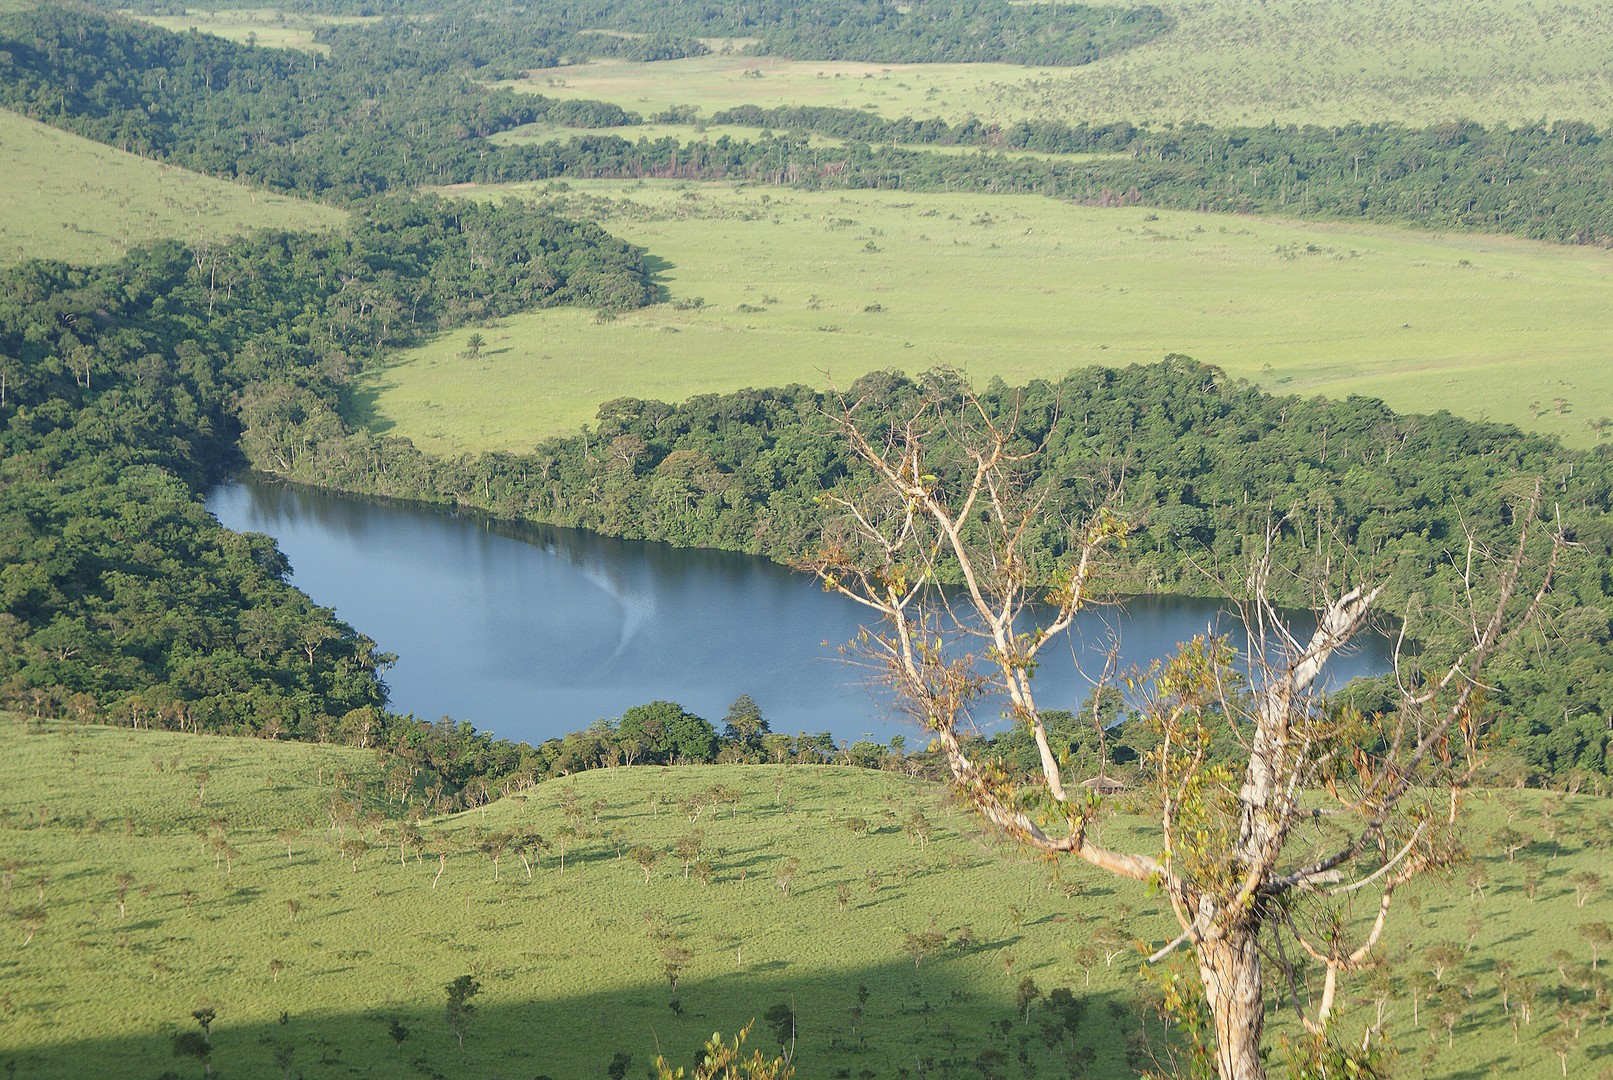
(530, 631)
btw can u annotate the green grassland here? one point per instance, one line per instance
(799, 284)
(68, 198)
(303, 951)
(269, 27)
(1225, 62)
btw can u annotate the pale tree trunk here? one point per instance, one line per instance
(1230, 970)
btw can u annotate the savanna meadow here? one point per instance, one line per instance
(981, 318)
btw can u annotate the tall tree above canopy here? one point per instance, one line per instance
(950, 497)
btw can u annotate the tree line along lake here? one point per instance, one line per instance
(531, 631)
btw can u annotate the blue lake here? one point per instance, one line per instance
(530, 631)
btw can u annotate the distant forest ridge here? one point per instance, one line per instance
(388, 112)
(876, 31)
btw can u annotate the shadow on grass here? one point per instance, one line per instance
(924, 1021)
(658, 268)
(360, 408)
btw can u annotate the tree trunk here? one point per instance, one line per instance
(1230, 970)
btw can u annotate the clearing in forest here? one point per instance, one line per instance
(767, 286)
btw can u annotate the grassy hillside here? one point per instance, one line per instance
(310, 958)
(796, 284)
(68, 198)
(1226, 62)
(269, 27)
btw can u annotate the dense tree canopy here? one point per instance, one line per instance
(125, 390)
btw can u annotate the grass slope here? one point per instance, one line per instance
(270, 27)
(1225, 62)
(68, 198)
(800, 283)
(571, 963)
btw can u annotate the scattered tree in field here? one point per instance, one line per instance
(674, 958)
(571, 806)
(687, 847)
(918, 829)
(395, 1028)
(460, 1010)
(288, 837)
(275, 968)
(439, 849)
(408, 836)
(124, 882)
(525, 843)
(563, 837)
(31, 919)
(1441, 957)
(949, 495)
(1586, 883)
(646, 858)
(1086, 958)
(1026, 994)
(1561, 1042)
(202, 776)
(785, 878)
(780, 1019)
(842, 894)
(924, 945)
(1111, 940)
(494, 845)
(1598, 936)
(1531, 882)
(354, 848)
(473, 347)
(1511, 841)
(198, 1044)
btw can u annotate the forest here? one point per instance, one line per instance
(124, 392)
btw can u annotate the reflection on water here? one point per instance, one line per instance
(531, 631)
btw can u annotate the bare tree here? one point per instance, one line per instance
(1246, 859)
